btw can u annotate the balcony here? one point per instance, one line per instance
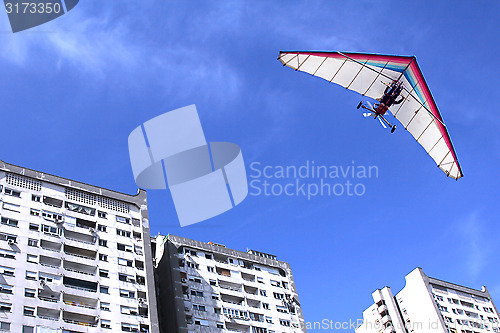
(80, 319)
(49, 262)
(80, 253)
(250, 290)
(385, 319)
(48, 295)
(230, 299)
(78, 284)
(48, 314)
(237, 327)
(382, 308)
(82, 238)
(253, 303)
(80, 268)
(48, 245)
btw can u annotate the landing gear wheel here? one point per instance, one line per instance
(393, 129)
(359, 105)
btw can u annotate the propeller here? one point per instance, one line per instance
(382, 123)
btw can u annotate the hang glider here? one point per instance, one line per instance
(371, 75)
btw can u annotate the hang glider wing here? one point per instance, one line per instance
(369, 74)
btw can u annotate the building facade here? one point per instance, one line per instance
(426, 305)
(74, 258)
(206, 287)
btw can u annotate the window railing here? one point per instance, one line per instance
(79, 256)
(80, 288)
(77, 271)
(79, 240)
(82, 323)
(81, 305)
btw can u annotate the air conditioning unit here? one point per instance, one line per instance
(11, 241)
(142, 300)
(43, 283)
(92, 230)
(183, 280)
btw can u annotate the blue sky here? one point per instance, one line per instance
(73, 89)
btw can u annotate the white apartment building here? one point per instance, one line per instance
(206, 287)
(74, 258)
(427, 305)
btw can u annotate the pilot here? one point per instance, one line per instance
(390, 94)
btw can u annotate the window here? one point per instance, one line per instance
(4, 326)
(29, 311)
(199, 307)
(36, 198)
(195, 279)
(275, 283)
(123, 247)
(12, 192)
(265, 306)
(284, 322)
(54, 231)
(32, 242)
(129, 327)
(269, 320)
(33, 227)
(103, 242)
(29, 292)
(30, 275)
(278, 296)
(128, 310)
(192, 265)
(101, 227)
(9, 222)
(208, 256)
(105, 324)
(5, 307)
(103, 257)
(9, 238)
(104, 273)
(7, 254)
(5, 289)
(137, 235)
(11, 207)
(210, 269)
(54, 217)
(31, 258)
(140, 280)
(127, 293)
(136, 222)
(34, 212)
(105, 306)
(125, 262)
(6, 271)
(126, 278)
(104, 289)
(123, 233)
(260, 280)
(102, 215)
(138, 249)
(213, 282)
(217, 310)
(122, 219)
(197, 293)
